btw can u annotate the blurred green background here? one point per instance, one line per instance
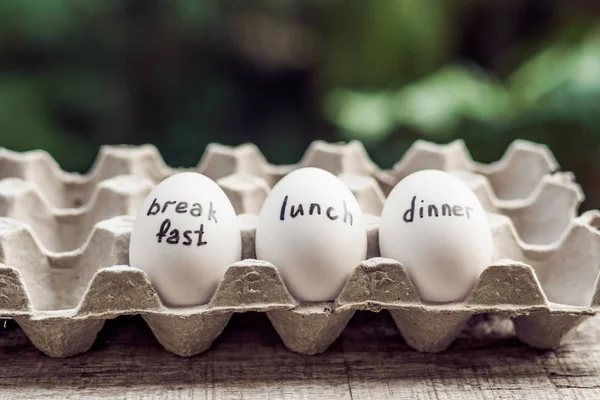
(75, 74)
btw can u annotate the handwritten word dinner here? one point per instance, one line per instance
(431, 210)
(173, 235)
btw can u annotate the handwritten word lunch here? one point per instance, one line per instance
(186, 236)
(315, 208)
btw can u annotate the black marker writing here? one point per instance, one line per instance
(298, 210)
(182, 207)
(432, 211)
(164, 228)
(212, 213)
(174, 237)
(313, 207)
(282, 212)
(200, 232)
(196, 210)
(347, 214)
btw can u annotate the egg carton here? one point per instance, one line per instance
(66, 229)
(515, 176)
(519, 185)
(61, 299)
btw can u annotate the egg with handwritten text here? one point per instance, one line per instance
(185, 237)
(311, 228)
(436, 227)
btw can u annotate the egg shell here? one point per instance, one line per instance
(436, 227)
(201, 238)
(311, 228)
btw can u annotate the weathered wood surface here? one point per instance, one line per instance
(248, 361)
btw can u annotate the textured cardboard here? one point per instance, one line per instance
(64, 250)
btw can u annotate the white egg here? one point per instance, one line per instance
(311, 228)
(435, 226)
(185, 237)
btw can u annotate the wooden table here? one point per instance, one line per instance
(248, 361)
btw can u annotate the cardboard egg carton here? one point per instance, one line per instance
(66, 229)
(515, 176)
(61, 299)
(516, 185)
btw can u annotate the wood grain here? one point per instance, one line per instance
(368, 361)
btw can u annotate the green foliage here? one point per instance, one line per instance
(557, 87)
(75, 74)
(367, 43)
